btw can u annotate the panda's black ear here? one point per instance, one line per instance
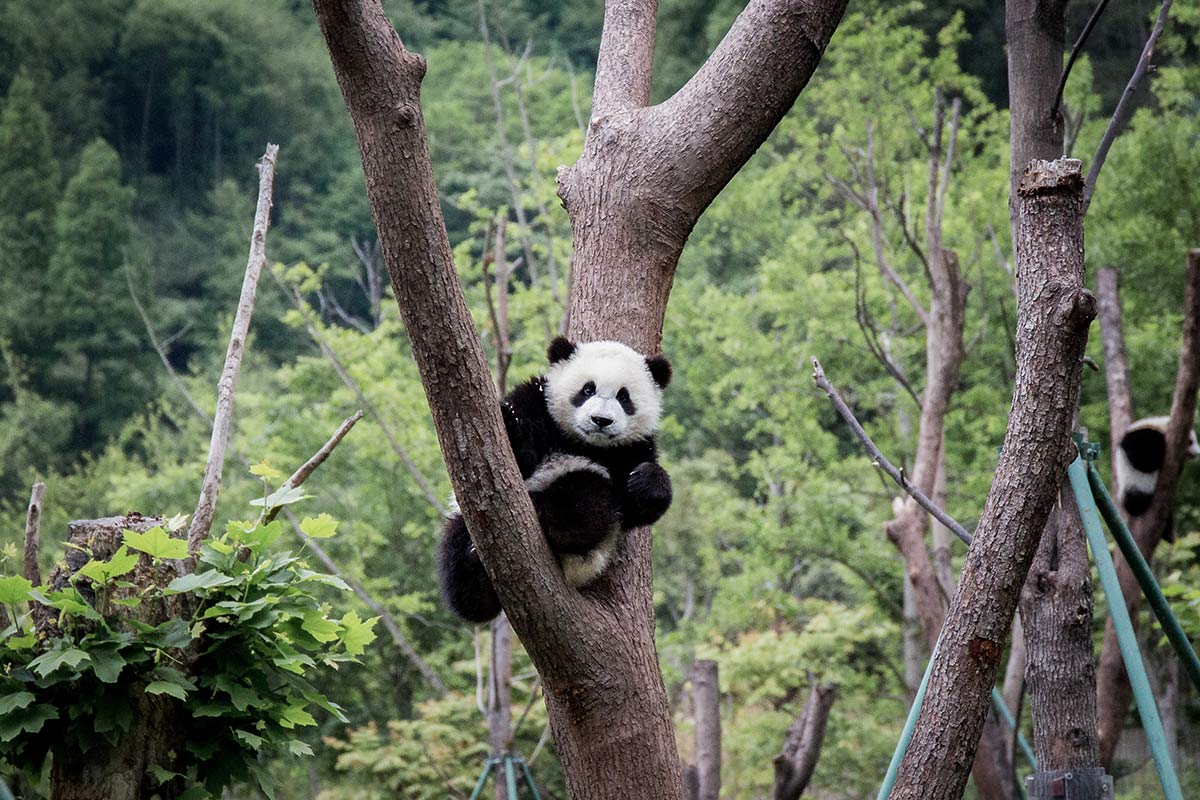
(660, 369)
(560, 349)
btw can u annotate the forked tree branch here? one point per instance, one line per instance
(795, 764)
(223, 420)
(1124, 109)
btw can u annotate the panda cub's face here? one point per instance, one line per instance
(605, 393)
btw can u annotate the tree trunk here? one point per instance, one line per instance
(707, 699)
(645, 176)
(1112, 686)
(119, 773)
(1056, 608)
(499, 717)
(1054, 311)
(1036, 32)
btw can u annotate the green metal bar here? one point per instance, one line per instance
(529, 779)
(510, 779)
(1145, 577)
(487, 768)
(5, 792)
(1007, 717)
(910, 725)
(1136, 669)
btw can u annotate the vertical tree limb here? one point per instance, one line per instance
(626, 58)
(206, 507)
(706, 696)
(1054, 312)
(1116, 362)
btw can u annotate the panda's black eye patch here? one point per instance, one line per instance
(583, 394)
(626, 401)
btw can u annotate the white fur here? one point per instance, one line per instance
(558, 465)
(580, 570)
(611, 366)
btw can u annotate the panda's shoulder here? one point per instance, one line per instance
(526, 402)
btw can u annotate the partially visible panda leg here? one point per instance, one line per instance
(465, 584)
(574, 500)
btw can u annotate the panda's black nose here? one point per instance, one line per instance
(602, 422)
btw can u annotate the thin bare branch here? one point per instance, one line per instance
(1116, 362)
(33, 527)
(223, 420)
(1076, 50)
(318, 458)
(1124, 108)
(879, 460)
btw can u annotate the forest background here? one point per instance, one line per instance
(128, 131)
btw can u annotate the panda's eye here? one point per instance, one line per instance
(588, 389)
(623, 395)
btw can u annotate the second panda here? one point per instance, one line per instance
(583, 437)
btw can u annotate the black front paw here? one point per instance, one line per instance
(648, 495)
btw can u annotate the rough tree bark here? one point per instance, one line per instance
(706, 697)
(1112, 687)
(645, 176)
(1054, 311)
(794, 766)
(1056, 609)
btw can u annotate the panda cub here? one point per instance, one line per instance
(1139, 457)
(583, 436)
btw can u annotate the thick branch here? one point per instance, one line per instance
(318, 458)
(1124, 109)
(1054, 313)
(222, 422)
(626, 58)
(794, 766)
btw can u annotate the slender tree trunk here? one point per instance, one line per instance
(1056, 608)
(707, 698)
(1054, 312)
(499, 717)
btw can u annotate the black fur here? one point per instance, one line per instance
(577, 510)
(1145, 448)
(660, 369)
(465, 585)
(560, 349)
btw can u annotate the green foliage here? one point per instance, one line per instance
(242, 638)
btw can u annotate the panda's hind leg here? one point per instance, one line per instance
(465, 584)
(575, 506)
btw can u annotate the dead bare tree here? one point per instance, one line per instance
(1113, 691)
(706, 702)
(1054, 311)
(645, 176)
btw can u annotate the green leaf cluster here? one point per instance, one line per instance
(246, 633)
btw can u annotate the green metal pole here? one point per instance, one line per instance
(1136, 669)
(5, 793)
(510, 779)
(910, 725)
(487, 768)
(1145, 577)
(529, 779)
